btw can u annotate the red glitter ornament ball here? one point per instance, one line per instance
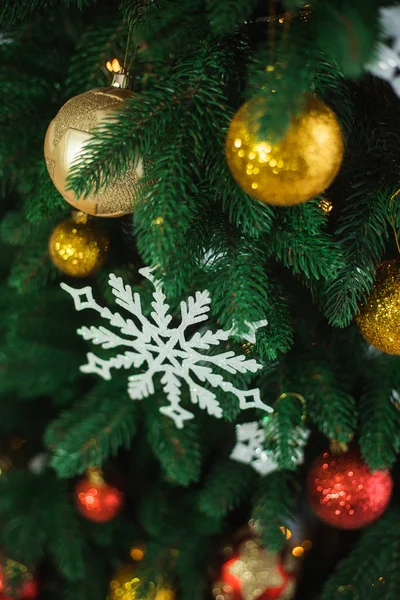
(97, 500)
(345, 493)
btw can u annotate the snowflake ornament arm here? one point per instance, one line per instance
(166, 351)
(386, 60)
(250, 438)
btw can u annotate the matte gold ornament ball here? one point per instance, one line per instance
(298, 167)
(66, 135)
(78, 249)
(379, 318)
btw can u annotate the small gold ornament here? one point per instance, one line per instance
(66, 136)
(298, 167)
(78, 247)
(125, 586)
(379, 318)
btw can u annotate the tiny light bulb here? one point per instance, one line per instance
(113, 66)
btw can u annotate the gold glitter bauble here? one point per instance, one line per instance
(66, 136)
(124, 586)
(76, 248)
(379, 318)
(299, 167)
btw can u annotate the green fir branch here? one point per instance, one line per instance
(281, 77)
(91, 431)
(177, 450)
(44, 203)
(94, 48)
(14, 229)
(362, 233)
(12, 12)
(225, 16)
(171, 197)
(274, 507)
(282, 432)
(225, 487)
(330, 406)
(66, 543)
(354, 30)
(23, 505)
(379, 412)
(298, 240)
(369, 574)
(241, 289)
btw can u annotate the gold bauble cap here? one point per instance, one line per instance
(379, 318)
(70, 131)
(298, 167)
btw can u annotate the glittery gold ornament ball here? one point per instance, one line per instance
(379, 318)
(298, 167)
(125, 586)
(66, 136)
(78, 249)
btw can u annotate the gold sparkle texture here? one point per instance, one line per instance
(125, 586)
(66, 136)
(78, 249)
(379, 318)
(298, 167)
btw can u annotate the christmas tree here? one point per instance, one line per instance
(200, 299)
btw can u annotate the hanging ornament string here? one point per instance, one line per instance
(393, 222)
(127, 43)
(293, 395)
(114, 66)
(129, 62)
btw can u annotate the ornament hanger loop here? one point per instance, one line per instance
(79, 217)
(294, 395)
(95, 475)
(120, 74)
(338, 448)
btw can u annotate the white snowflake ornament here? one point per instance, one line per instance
(166, 350)
(250, 438)
(386, 63)
(248, 449)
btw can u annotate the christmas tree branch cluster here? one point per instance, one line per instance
(304, 269)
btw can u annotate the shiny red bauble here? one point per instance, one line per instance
(345, 493)
(97, 500)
